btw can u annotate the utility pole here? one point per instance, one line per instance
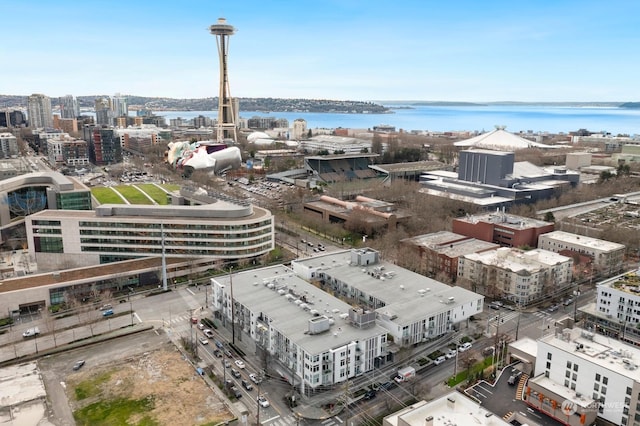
(233, 319)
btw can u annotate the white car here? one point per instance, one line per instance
(439, 360)
(464, 347)
(254, 378)
(204, 341)
(451, 353)
(239, 364)
(264, 403)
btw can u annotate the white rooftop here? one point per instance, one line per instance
(407, 295)
(289, 302)
(451, 409)
(501, 140)
(600, 350)
(582, 240)
(518, 260)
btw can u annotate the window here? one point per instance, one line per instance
(569, 365)
(573, 386)
(549, 356)
(548, 365)
(566, 383)
(575, 377)
(629, 391)
(605, 380)
(603, 390)
(596, 387)
(567, 374)
(575, 368)
(597, 377)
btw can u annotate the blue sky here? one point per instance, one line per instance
(454, 50)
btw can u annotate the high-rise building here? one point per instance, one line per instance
(13, 118)
(104, 114)
(119, 105)
(69, 107)
(39, 111)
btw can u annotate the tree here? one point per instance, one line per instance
(467, 359)
(549, 217)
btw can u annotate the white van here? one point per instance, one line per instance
(31, 332)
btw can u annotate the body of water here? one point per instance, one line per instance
(456, 118)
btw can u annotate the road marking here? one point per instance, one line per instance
(189, 290)
(338, 419)
(135, 314)
(327, 421)
(485, 389)
(481, 394)
(272, 418)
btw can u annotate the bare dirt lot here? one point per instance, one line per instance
(135, 380)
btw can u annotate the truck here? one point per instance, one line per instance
(405, 374)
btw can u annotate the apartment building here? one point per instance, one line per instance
(411, 307)
(67, 151)
(438, 252)
(315, 339)
(581, 375)
(8, 145)
(607, 257)
(520, 276)
(39, 111)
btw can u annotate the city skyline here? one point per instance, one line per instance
(355, 50)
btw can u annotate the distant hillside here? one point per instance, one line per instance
(633, 105)
(211, 104)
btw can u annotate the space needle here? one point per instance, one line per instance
(226, 128)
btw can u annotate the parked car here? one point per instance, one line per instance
(495, 305)
(217, 353)
(107, 313)
(31, 332)
(78, 365)
(236, 392)
(204, 341)
(247, 385)
(227, 364)
(488, 350)
(451, 353)
(515, 376)
(239, 363)
(255, 379)
(235, 373)
(219, 344)
(194, 320)
(208, 333)
(439, 360)
(370, 394)
(464, 347)
(553, 307)
(201, 326)
(264, 403)
(106, 306)
(568, 301)
(228, 353)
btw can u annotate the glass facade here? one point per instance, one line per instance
(119, 240)
(80, 200)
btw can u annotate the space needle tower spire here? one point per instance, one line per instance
(226, 128)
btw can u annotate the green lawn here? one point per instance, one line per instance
(133, 194)
(106, 195)
(170, 186)
(116, 412)
(475, 369)
(158, 195)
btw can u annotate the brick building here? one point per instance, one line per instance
(502, 228)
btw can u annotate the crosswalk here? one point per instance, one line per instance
(542, 314)
(184, 319)
(292, 420)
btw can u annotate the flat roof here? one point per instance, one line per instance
(451, 244)
(277, 292)
(607, 353)
(526, 345)
(222, 211)
(451, 409)
(408, 167)
(407, 295)
(518, 260)
(562, 391)
(484, 201)
(505, 220)
(581, 240)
